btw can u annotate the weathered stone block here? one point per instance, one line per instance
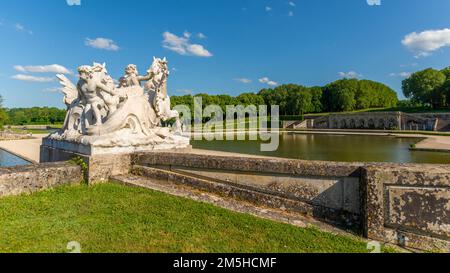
(407, 204)
(422, 210)
(32, 178)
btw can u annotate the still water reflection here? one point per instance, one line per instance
(9, 160)
(349, 148)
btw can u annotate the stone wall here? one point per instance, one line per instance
(99, 167)
(407, 204)
(404, 204)
(325, 190)
(13, 136)
(379, 121)
(31, 178)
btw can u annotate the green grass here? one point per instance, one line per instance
(115, 218)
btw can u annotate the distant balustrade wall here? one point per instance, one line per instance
(383, 121)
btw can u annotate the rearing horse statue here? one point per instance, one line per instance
(157, 89)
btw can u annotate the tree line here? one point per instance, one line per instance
(293, 99)
(429, 87)
(31, 116)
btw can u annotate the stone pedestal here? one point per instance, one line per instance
(102, 162)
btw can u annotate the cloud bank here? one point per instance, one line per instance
(102, 43)
(183, 46)
(425, 43)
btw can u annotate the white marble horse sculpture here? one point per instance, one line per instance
(157, 89)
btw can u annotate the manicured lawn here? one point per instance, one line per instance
(115, 218)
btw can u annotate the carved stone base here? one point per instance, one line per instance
(100, 149)
(103, 162)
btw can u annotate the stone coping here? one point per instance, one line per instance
(33, 167)
(250, 164)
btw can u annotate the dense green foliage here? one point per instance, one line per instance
(341, 95)
(115, 218)
(430, 87)
(35, 115)
(3, 114)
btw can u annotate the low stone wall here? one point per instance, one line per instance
(325, 190)
(404, 204)
(13, 136)
(99, 168)
(383, 121)
(32, 178)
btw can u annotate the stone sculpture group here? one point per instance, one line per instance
(123, 116)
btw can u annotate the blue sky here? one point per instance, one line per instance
(220, 46)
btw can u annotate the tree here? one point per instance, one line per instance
(426, 87)
(3, 114)
(299, 100)
(316, 99)
(341, 95)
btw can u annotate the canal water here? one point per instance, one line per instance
(9, 160)
(347, 148)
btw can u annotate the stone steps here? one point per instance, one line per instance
(227, 202)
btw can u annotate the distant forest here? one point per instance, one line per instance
(339, 96)
(32, 116)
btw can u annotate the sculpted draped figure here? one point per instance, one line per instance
(103, 114)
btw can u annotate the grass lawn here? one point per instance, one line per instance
(116, 218)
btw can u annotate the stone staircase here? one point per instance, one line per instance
(225, 194)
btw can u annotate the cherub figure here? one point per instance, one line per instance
(89, 87)
(132, 77)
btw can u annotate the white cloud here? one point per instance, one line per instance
(425, 43)
(201, 36)
(102, 43)
(350, 75)
(268, 8)
(183, 46)
(267, 81)
(185, 91)
(53, 89)
(291, 13)
(53, 68)
(73, 2)
(243, 80)
(409, 65)
(292, 4)
(21, 28)
(28, 78)
(187, 34)
(401, 74)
